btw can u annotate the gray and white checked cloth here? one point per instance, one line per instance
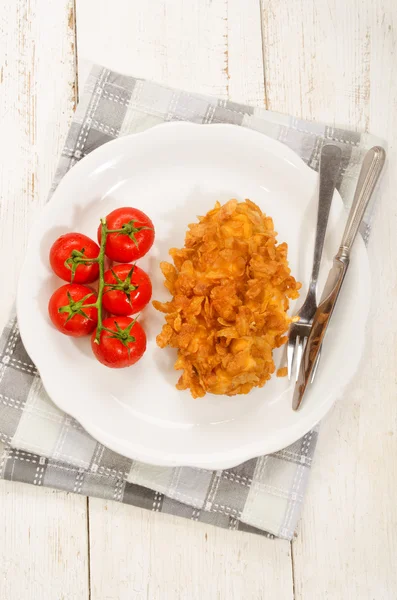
(41, 445)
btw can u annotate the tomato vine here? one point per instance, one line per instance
(79, 258)
(101, 261)
(124, 235)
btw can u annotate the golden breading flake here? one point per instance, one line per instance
(282, 372)
(230, 286)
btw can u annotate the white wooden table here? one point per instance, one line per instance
(332, 60)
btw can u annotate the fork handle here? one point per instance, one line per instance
(371, 169)
(329, 170)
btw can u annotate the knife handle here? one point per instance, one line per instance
(369, 175)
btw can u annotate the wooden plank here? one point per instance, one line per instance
(342, 68)
(43, 544)
(179, 43)
(43, 541)
(317, 59)
(211, 47)
(38, 94)
(143, 555)
(243, 54)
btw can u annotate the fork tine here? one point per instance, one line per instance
(290, 357)
(300, 341)
(315, 366)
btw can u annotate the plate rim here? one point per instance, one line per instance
(220, 460)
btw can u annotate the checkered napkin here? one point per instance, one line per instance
(41, 445)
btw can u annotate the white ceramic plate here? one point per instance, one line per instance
(174, 172)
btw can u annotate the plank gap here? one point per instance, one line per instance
(292, 570)
(76, 56)
(88, 549)
(261, 13)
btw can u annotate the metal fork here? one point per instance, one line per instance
(330, 159)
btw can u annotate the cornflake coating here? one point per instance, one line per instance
(230, 288)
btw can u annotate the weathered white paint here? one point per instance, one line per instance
(212, 46)
(43, 544)
(333, 61)
(43, 539)
(37, 96)
(143, 555)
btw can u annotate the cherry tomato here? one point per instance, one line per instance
(133, 234)
(69, 311)
(121, 343)
(127, 290)
(68, 258)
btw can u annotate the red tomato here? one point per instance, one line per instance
(132, 237)
(121, 343)
(68, 258)
(127, 290)
(69, 311)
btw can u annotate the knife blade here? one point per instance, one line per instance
(371, 168)
(321, 321)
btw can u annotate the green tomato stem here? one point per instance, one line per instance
(124, 336)
(101, 261)
(88, 260)
(116, 230)
(77, 307)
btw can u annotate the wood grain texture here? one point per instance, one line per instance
(43, 540)
(211, 47)
(336, 61)
(149, 556)
(43, 544)
(37, 97)
(317, 58)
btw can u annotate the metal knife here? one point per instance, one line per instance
(369, 175)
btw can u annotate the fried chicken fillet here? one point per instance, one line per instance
(230, 286)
